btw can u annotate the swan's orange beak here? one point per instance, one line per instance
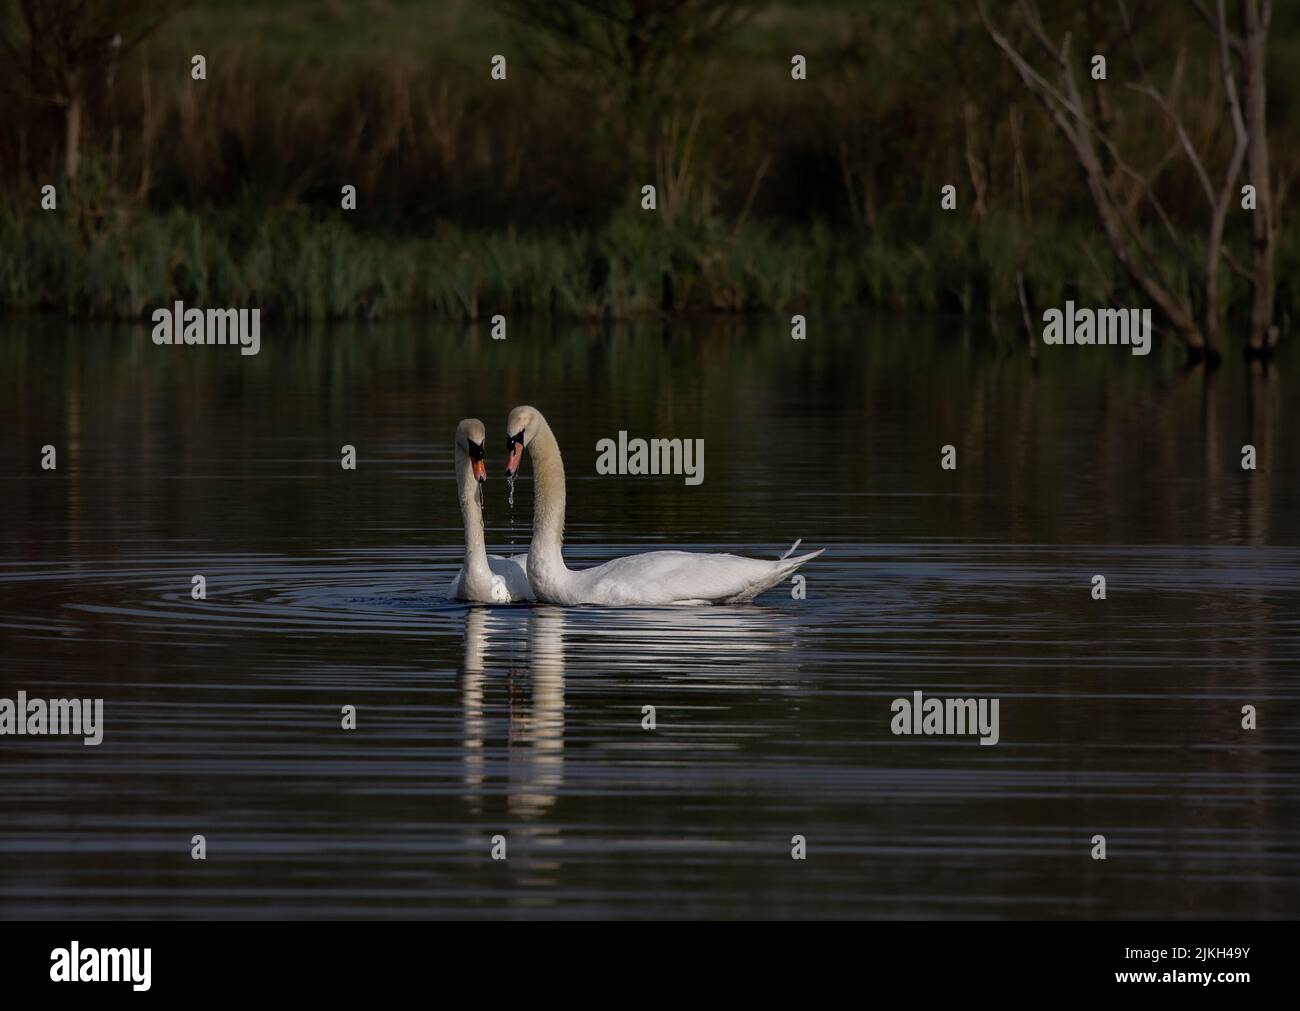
(480, 471)
(514, 453)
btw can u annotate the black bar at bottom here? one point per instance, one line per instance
(334, 960)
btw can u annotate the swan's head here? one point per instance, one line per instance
(521, 427)
(471, 441)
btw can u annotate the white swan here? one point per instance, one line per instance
(656, 577)
(483, 577)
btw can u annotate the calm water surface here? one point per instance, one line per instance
(1119, 717)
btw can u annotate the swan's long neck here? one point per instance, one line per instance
(548, 505)
(476, 563)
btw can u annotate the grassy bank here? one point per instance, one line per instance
(295, 265)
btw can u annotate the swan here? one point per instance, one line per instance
(483, 577)
(653, 578)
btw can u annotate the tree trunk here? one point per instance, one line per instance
(146, 132)
(974, 164)
(72, 133)
(1254, 36)
(1228, 192)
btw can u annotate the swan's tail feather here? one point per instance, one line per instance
(790, 564)
(782, 568)
(793, 547)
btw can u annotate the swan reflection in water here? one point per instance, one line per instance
(740, 647)
(534, 708)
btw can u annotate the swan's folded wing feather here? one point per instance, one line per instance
(513, 572)
(679, 577)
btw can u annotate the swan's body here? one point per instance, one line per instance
(653, 578)
(486, 578)
(507, 582)
(666, 577)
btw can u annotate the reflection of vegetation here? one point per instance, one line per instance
(1046, 457)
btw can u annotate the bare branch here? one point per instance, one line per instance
(1065, 106)
(1029, 11)
(1237, 268)
(1235, 42)
(1186, 141)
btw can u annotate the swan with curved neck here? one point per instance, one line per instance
(483, 577)
(653, 578)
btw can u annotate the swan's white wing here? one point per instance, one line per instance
(680, 577)
(510, 577)
(509, 580)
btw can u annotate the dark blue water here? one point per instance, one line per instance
(1120, 717)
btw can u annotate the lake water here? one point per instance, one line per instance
(1120, 717)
